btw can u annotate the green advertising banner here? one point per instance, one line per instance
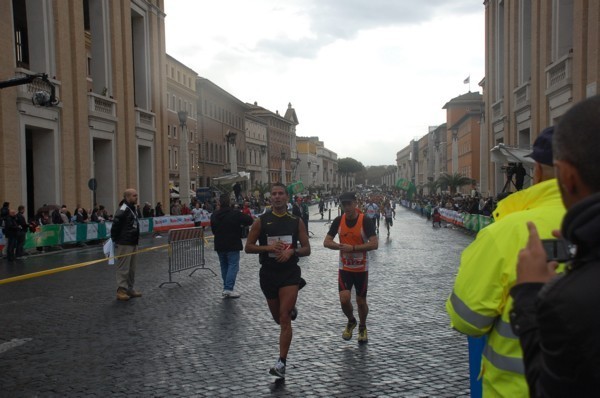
(48, 235)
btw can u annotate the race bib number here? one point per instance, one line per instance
(286, 239)
(353, 260)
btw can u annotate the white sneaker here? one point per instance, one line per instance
(230, 294)
(278, 370)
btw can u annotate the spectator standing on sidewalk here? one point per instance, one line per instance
(176, 208)
(11, 232)
(357, 237)
(65, 215)
(480, 302)
(556, 317)
(125, 233)
(22, 233)
(4, 211)
(226, 224)
(237, 190)
(158, 210)
(3, 215)
(278, 233)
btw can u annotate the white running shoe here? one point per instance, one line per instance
(230, 294)
(278, 370)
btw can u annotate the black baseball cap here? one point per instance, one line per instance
(542, 147)
(348, 197)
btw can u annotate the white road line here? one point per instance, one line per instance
(9, 345)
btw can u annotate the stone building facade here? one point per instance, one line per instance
(106, 60)
(221, 118)
(181, 97)
(541, 58)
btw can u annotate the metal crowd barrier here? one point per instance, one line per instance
(186, 251)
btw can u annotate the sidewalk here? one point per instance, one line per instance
(66, 335)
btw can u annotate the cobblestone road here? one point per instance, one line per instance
(65, 335)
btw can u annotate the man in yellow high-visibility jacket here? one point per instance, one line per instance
(480, 302)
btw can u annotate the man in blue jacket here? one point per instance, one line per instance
(226, 224)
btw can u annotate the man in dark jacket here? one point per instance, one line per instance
(125, 233)
(556, 317)
(11, 231)
(226, 225)
(22, 233)
(4, 213)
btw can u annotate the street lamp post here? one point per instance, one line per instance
(230, 138)
(184, 170)
(283, 181)
(296, 167)
(263, 164)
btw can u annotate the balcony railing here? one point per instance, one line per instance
(102, 105)
(522, 95)
(498, 110)
(559, 73)
(144, 119)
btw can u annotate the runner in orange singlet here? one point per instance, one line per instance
(357, 237)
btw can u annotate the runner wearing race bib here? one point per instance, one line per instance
(357, 236)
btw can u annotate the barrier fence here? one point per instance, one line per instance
(186, 251)
(60, 234)
(471, 222)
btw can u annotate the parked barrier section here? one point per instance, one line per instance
(186, 251)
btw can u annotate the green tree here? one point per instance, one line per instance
(349, 166)
(453, 181)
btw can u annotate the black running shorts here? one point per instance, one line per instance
(347, 279)
(271, 281)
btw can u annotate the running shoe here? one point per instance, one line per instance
(347, 334)
(362, 336)
(278, 370)
(230, 294)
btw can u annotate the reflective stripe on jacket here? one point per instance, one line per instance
(480, 302)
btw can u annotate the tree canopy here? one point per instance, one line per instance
(453, 181)
(349, 165)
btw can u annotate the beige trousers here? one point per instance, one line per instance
(126, 266)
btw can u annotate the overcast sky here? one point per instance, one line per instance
(365, 76)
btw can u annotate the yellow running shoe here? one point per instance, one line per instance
(362, 336)
(347, 334)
